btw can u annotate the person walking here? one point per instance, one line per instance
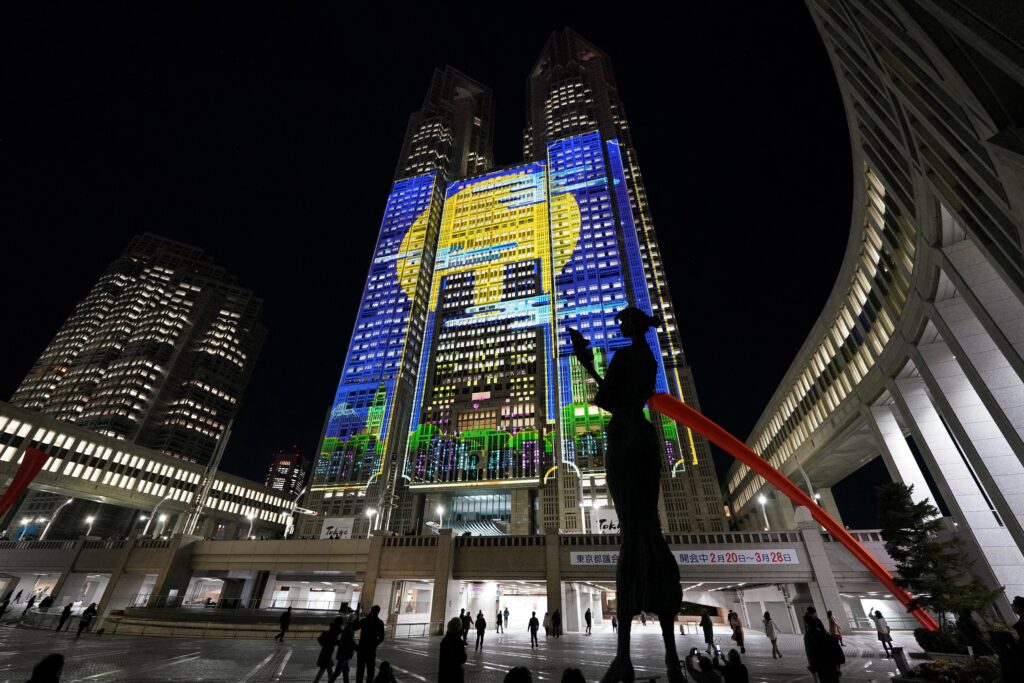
(772, 633)
(709, 630)
(556, 623)
(346, 648)
(481, 627)
(497, 619)
(533, 625)
(31, 601)
(834, 629)
(615, 624)
(587, 617)
(733, 669)
(453, 653)
(547, 624)
(328, 640)
(824, 655)
(46, 603)
(506, 616)
(285, 622)
(65, 614)
(884, 632)
(643, 619)
(17, 598)
(737, 630)
(371, 630)
(467, 623)
(85, 620)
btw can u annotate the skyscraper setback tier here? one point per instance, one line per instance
(460, 404)
(158, 353)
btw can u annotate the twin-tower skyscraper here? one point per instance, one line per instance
(460, 404)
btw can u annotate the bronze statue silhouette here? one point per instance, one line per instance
(647, 576)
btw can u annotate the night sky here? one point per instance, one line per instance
(269, 138)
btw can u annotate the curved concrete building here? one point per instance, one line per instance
(918, 355)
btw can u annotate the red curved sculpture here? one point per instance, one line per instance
(683, 414)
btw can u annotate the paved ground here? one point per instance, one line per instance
(134, 658)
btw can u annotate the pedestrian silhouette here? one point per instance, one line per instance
(453, 654)
(346, 648)
(31, 601)
(85, 620)
(497, 619)
(556, 623)
(285, 621)
(737, 630)
(615, 623)
(547, 624)
(882, 627)
(17, 598)
(646, 576)
(65, 614)
(371, 629)
(773, 634)
(834, 629)
(481, 627)
(709, 630)
(506, 617)
(533, 625)
(48, 670)
(704, 672)
(467, 623)
(327, 640)
(588, 618)
(824, 654)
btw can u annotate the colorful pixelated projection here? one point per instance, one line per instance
(364, 405)
(523, 254)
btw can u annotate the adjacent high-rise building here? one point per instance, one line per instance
(287, 471)
(158, 353)
(460, 404)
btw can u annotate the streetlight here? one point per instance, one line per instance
(163, 523)
(63, 505)
(370, 512)
(153, 514)
(89, 520)
(764, 501)
(251, 520)
(440, 516)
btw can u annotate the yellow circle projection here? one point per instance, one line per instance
(502, 219)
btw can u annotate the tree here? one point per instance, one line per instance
(931, 566)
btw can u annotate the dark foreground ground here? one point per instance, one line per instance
(142, 658)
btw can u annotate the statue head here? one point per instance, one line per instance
(634, 323)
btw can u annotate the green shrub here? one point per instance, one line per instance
(940, 641)
(981, 670)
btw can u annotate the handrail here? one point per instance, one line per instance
(685, 415)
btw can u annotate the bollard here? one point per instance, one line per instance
(901, 660)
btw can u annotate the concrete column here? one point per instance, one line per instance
(787, 594)
(987, 448)
(824, 589)
(370, 577)
(960, 490)
(446, 590)
(117, 577)
(267, 598)
(553, 572)
(896, 453)
(175, 576)
(65, 574)
(571, 615)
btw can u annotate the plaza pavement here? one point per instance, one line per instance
(143, 658)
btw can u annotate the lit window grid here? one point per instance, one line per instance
(90, 461)
(806, 406)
